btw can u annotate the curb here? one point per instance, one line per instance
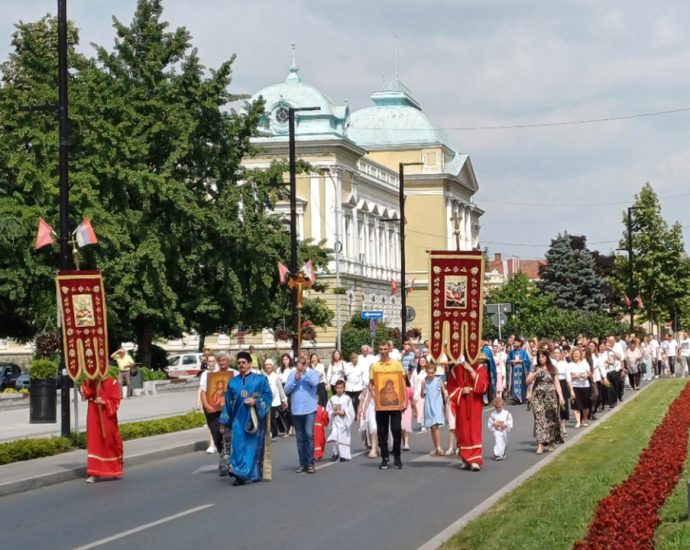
(79, 472)
(439, 539)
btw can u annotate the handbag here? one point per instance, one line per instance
(642, 367)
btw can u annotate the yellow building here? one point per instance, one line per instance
(354, 205)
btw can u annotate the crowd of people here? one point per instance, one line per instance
(321, 404)
(565, 385)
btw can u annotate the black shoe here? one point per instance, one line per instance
(397, 464)
(223, 472)
(335, 458)
(238, 481)
(344, 459)
(384, 464)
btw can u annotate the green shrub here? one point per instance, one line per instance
(9, 390)
(43, 369)
(150, 374)
(27, 449)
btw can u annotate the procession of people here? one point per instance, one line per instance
(384, 397)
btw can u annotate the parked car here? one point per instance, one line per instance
(9, 372)
(184, 365)
(23, 382)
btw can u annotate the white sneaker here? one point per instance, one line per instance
(90, 479)
(211, 450)
(475, 467)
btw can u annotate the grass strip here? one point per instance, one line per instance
(28, 449)
(554, 507)
(673, 533)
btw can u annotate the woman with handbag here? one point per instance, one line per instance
(546, 401)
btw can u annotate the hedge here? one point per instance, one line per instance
(28, 449)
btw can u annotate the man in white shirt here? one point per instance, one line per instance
(366, 359)
(656, 359)
(617, 347)
(354, 379)
(685, 353)
(395, 353)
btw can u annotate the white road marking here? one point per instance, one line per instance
(144, 527)
(327, 464)
(204, 469)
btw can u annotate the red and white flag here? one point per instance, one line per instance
(627, 301)
(45, 233)
(638, 299)
(282, 272)
(409, 285)
(309, 271)
(85, 233)
(394, 287)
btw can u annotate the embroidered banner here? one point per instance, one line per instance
(84, 328)
(457, 304)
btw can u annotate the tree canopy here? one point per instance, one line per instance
(187, 238)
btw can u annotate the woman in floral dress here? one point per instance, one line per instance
(546, 402)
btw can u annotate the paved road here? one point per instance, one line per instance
(14, 423)
(341, 506)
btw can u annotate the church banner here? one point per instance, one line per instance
(81, 300)
(457, 304)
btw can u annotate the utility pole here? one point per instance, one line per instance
(631, 281)
(401, 198)
(65, 261)
(293, 218)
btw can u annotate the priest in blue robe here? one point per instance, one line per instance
(520, 361)
(247, 407)
(488, 351)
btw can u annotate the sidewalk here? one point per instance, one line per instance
(40, 472)
(14, 423)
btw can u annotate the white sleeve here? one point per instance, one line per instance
(490, 423)
(509, 422)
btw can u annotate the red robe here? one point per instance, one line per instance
(468, 420)
(320, 424)
(103, 441)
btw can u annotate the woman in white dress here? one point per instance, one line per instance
(417, 381)
(580, 374)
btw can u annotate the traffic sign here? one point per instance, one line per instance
(499, 308)
(373, 314)
(499, 319)
(410, 314)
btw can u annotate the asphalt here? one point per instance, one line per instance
(173, 498)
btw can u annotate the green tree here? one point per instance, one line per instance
(29, 173)
(186, 235)
(569, 274)
(661, 274)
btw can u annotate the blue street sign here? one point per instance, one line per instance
(376, 314)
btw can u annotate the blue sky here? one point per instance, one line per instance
(474, 64)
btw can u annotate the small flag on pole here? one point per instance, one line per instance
(394, 287)
(409, 285)
(45, 233)
(309, 271)
(85, 233)
(638, 299)
(627, 301)
(282, 272)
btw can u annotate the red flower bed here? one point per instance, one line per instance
(628, 517)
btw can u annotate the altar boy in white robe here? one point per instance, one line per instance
(341, 415)
(500, 423)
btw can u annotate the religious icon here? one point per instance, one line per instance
(389, 388)
(83, 310)
(216, 386)
(456, 291)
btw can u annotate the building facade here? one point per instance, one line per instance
(351, 201)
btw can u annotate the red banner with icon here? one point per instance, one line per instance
(84, 323)
(457, 304)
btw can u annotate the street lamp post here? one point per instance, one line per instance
(65, 261)
(337, 248)
(403, 283)
(631, 282)
(293, 217)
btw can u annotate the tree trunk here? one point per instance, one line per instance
(144, 329)
(202, 341)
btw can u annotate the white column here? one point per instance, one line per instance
(315, 207)
(331, 205)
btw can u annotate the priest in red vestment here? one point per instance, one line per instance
(103, 441)
(467, 384)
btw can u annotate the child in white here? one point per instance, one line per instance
(341, 415)
(500, 423)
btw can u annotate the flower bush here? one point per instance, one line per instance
(628, 517)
